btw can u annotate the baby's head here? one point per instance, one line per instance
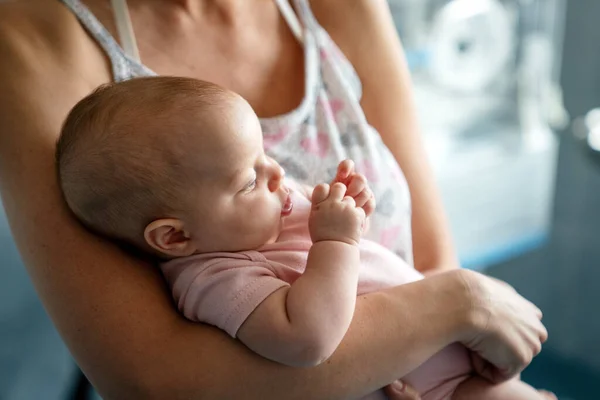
(174, 166)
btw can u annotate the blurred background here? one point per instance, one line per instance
(506, 92)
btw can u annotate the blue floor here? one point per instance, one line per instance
(568, 380)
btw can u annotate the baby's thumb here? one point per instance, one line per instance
(320, 193)
(398, 390)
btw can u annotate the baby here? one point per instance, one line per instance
(176, 168)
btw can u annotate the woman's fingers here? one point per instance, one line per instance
(541, 331)
(548, 395)
(509, 330)
(399, 390)
(538, 312)
(537, 325)
(484, 368)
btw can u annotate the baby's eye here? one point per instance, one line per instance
(251, 186)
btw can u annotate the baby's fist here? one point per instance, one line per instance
(357, 186)
(335, 216)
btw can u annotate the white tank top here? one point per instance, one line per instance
(328, 126)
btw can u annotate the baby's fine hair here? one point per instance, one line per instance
(120, 153)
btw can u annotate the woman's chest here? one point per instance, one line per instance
(257, 56)
(269, 76)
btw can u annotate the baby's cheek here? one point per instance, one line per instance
(267, 224)
(271, 232)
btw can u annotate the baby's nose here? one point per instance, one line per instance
(277, 174)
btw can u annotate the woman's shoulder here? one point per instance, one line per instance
(347, 15)
(40, 35)
(48, 61)
(341, 18)
(34, 24)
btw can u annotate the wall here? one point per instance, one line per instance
(564, 277)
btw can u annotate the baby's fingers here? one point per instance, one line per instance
(362, 198)
(337, 192)
(344, 171)
(357, 184)
(320, 193)
(350, 201)
(399, 390)
(369, 206)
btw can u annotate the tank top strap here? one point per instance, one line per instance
(327, 48)
(125, 29)
(123, 66)
(306, 15)
(291, 18)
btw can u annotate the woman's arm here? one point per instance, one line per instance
(376, 54)
(114, 311)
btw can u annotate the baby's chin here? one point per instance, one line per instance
(250, 238)
(250, 241)
(279, 229)
(274, 235)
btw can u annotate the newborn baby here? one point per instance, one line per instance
(176, 168)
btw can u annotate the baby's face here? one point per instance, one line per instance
(242, 203)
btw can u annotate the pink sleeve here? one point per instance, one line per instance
(221, 291)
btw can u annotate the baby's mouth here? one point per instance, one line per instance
(287, 207)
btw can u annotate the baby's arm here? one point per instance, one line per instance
(303, 324)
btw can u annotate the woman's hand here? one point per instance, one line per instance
(508, 331)
(399, 390)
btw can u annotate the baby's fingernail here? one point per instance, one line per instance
(399, 386)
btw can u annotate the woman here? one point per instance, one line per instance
(112, 309)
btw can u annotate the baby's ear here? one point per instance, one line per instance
(168, 237)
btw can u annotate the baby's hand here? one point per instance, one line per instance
(335, 216)
(358, 187)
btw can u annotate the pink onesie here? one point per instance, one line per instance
(222, 289)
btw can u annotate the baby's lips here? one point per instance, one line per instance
(287, 207)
